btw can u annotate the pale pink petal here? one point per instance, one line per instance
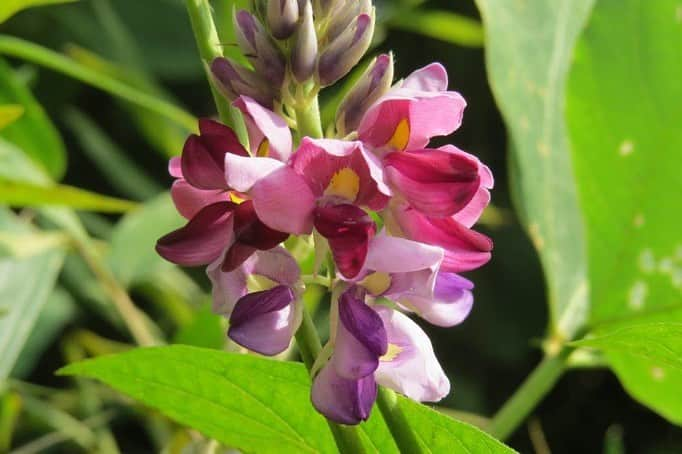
(227, 287)
(390, 254)
(263, 124)
(189, 200)
(284, 202)
(241, 173)
(432, 77)
(175, 167)
(410, 367)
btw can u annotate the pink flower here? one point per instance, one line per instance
(412, 112)
(324, 185)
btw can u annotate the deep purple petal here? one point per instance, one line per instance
(341, 400)
(203, 239)
(348, 230)
(262, 321)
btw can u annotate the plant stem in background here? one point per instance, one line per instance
(207, 40)
(25, 50)
(527, 397)
(397, 422)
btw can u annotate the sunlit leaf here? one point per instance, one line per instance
(528, 51)
(25, 285)
(444, 25)
(26, 194)
(205, 330)
(33, 132)
(16, 166)
(257, 404)
(11, 7)
(9, 113)
(624, 123)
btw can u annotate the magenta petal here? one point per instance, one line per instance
(262, 321)
(235, 256)
(348, 230)
(175, 167)
(465, 249)
(360, 339)
(189, 200)
(251, 231)
(436, 182)
(263, 124)
(242, 173)
(202, 240)
(341, 400)
(284, 202)
(391, 254)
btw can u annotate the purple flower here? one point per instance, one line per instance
(261, 299)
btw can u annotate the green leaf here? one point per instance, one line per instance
(122, 173)
(624, 125)
(10, 7)
(9, 113)
(33, 132)
(22, 49)
(444, 25)
(257, 404)
(132, 257)
(26, 194)
(528, 52)
(245, 402)
(655, 342)
(16, 166)
(25, 285)
(439, 433)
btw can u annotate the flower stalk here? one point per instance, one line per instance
(397, 422)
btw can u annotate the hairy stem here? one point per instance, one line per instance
(397, 422)
(208, 43)
(529, 394)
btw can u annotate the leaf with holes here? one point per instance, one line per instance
(624, 124)
(528, 51)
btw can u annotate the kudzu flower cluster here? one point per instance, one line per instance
(394, 215)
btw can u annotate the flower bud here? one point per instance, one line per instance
(234, 80)
(346, 51)
(373, 84)
(258, 47)
(304, 53)
(282, 16)
(343, 14)
(322, 7)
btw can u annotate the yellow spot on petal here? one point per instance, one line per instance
(377, 283)
(235, 197)
(401, 136)
(258, 283)
(263, 149)
(345, 183)
(392, 353)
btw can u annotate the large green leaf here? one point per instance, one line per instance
(132, 257)
(444, 25)
(655, 342)
(10, 7)
(33, 132)
(25, 285)
(528, 51)
(623, 115)
(257, 404)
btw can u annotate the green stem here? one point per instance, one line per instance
(347, 437)
(397, 422)
(39, 55)
(208, 43)
(527, 397)
(308, 120)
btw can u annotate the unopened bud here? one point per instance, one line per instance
(234, 80)
(346, 51)
(342, 15)
(258, 47)
(304, 53)
(282, 16)
(373, 84)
